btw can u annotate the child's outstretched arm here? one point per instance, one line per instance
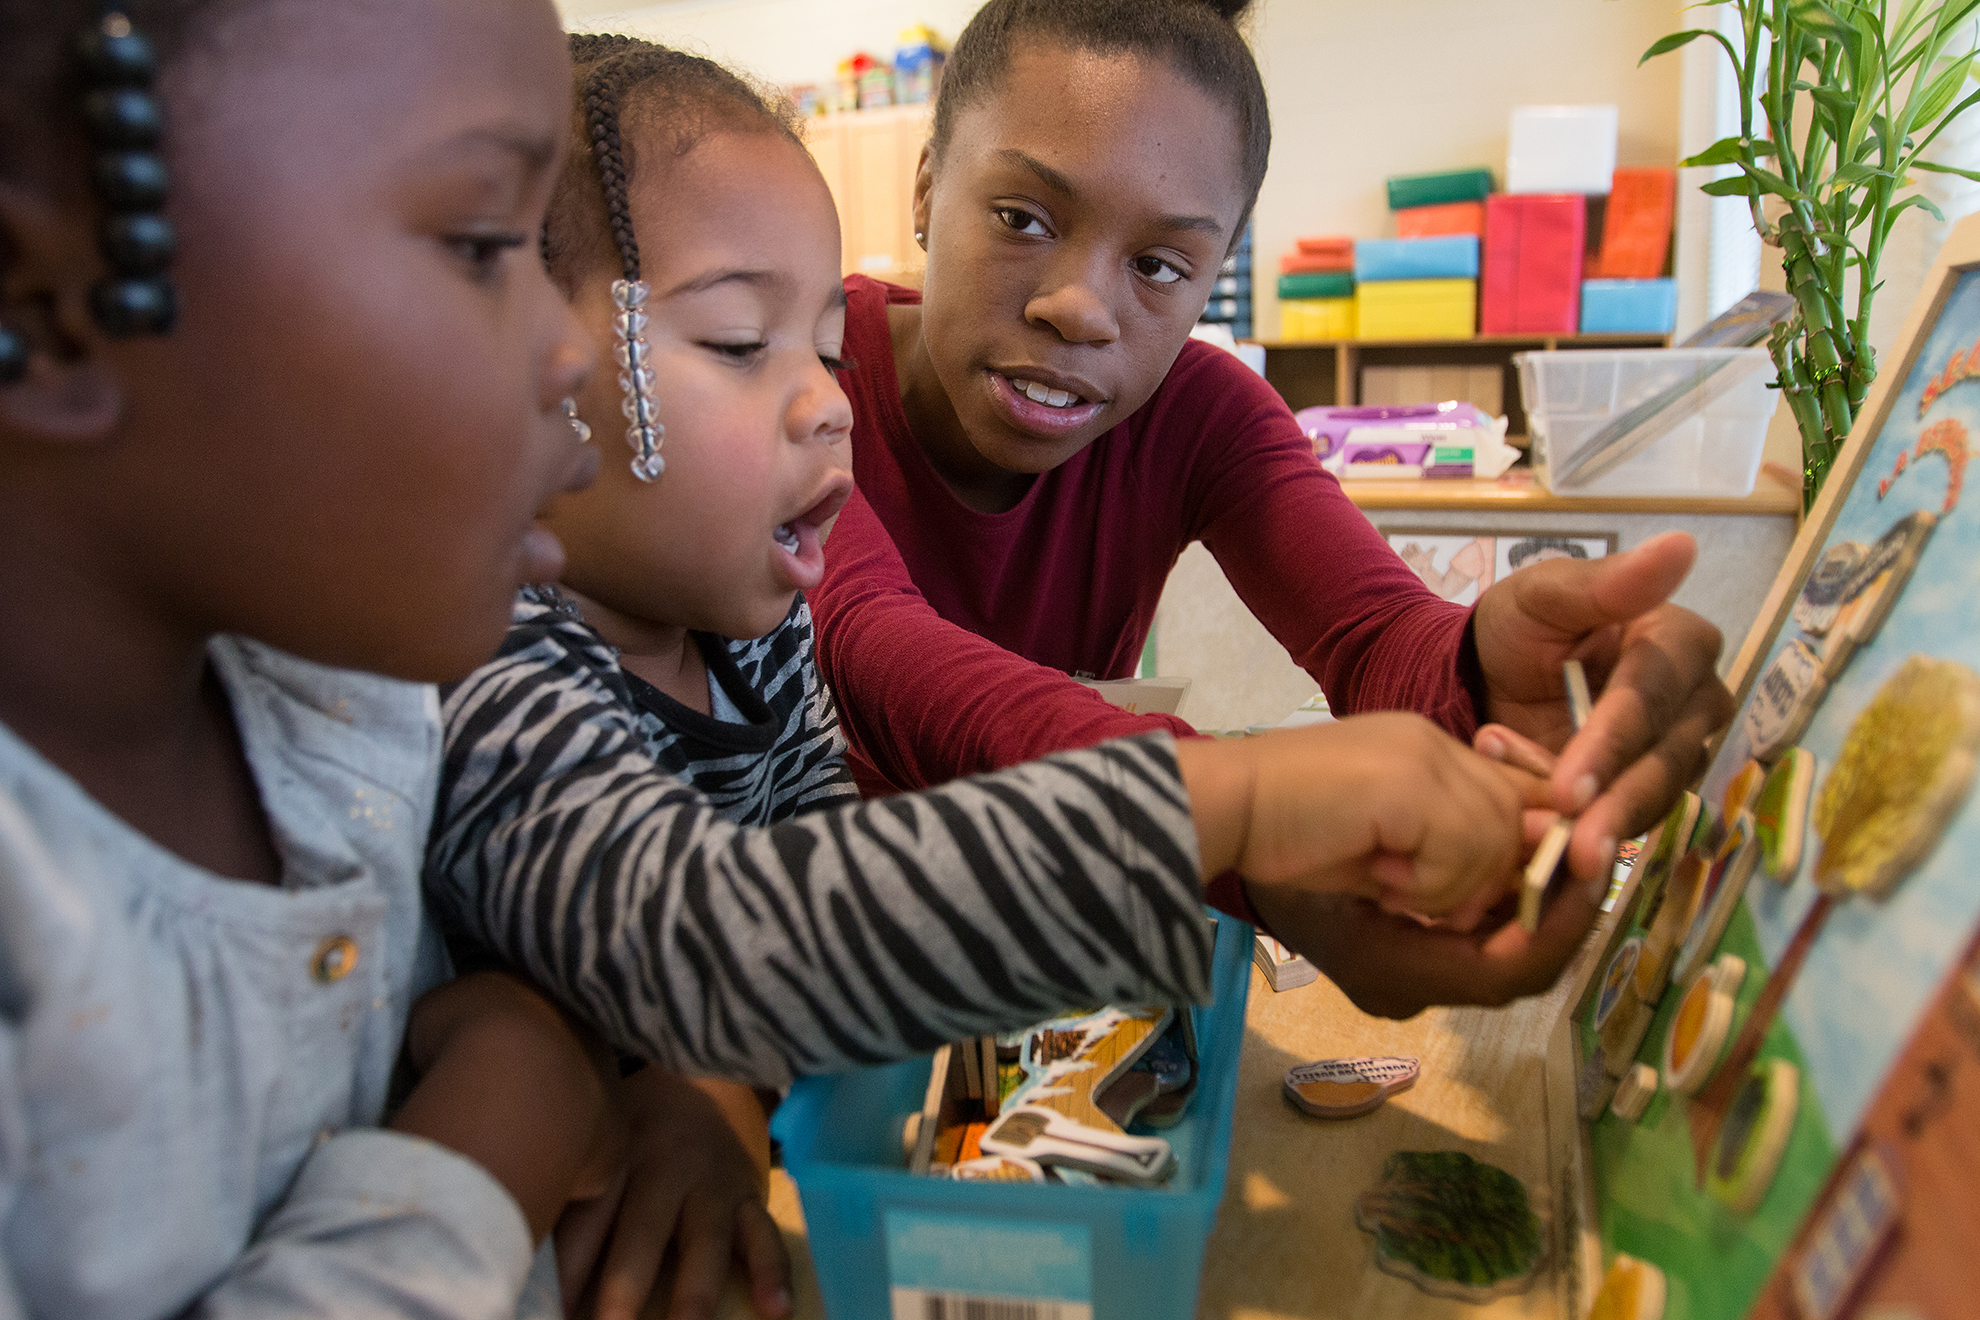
(860, 935)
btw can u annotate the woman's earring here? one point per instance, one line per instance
(13, 356)
(125, 124)
(921, 239)
(643, 432)
(578, 425)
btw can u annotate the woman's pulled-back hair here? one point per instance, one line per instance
(1197, 38)
(677, 99)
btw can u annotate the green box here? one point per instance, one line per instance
(1407, 190)
(1333, 284)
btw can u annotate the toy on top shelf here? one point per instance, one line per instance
(1561, 149)
(1636, 226)
(1532, 264)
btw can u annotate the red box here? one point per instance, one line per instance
(1636, 232)
(1530, 276)
(1306, 263)
(1436, 221)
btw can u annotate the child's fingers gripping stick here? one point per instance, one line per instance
(1385, 806)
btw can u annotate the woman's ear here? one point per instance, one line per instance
(68, 391)
(924, 180)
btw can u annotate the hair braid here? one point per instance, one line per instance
(602, 91)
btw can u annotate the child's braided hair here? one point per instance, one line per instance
(1198, 38)
(678, 99)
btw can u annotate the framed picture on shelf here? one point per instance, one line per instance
(1796, 969)
(1460, 563)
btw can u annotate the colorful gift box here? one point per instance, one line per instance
(1636, 230)
(1416, 309)
(1333, 284)
(1434, 221)
(1628, 307)
(1308, 319)
(1410, 190)
(1452, 257)
(1531, 280)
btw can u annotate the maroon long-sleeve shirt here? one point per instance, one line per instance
(949, 635)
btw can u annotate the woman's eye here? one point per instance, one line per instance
(742, 352)
(834, 364)
(1021, 221)
(483, 253)
(1157, 270)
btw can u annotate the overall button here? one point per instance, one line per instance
(334, 959)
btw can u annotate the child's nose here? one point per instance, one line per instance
(1076, 298)
(820, 411)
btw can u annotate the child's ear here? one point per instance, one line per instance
(924, 179)
(70, 393)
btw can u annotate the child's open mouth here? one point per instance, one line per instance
(800, 542)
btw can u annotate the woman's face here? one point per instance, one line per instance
(1075, 222)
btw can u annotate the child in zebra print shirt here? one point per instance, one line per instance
(653, 822)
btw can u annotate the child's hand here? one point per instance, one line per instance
(507, 1081)
(1387, 807)
(695, 1177)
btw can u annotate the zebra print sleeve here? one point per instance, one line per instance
(842, 937)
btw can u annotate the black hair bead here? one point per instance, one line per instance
(113, 52)
(127, 308)
(123, 117)
(13, 356)
(131, 180)
(138, 243)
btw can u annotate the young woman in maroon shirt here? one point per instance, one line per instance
(1036, 439)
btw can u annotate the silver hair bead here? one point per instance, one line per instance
(578, 424)
(636, 380)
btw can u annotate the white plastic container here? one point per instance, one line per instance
(1561, 149)
(1648, 421)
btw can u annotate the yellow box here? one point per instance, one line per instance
(1316, 318)
(1416, 309)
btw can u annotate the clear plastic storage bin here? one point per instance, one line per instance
(1649, 421)
(888, 1244)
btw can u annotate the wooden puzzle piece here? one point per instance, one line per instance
(1343, 1088)
(1632, 1290)
(1283, 969)
(1874, 588)
(1637, 1089)
(919, 1133)
(1674, 914)
(1551, 854)
(1704, 1019)
(1784, 699)
(1741, 789)
(1617, 980)
(1166, 1070)
(1725, 884)
(1067, 1062)
(998, 1168)
(1822, 594)
(1049, 1137)
(1780, 814)
(1754, 1135)
(1903, 771)
(1453, 1226)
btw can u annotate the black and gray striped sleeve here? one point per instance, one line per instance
(847, 936)
(808, 767)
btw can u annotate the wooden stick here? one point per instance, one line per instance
(1552, 852)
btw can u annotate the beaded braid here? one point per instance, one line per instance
(603, 89)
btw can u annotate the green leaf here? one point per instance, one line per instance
(1726, 151)
(1939, 93)
(1919, 200)
(1854, 174)
(1935, 168)
(1825, 23)
(1769, 182)
(1737, 186)
(1665, 45)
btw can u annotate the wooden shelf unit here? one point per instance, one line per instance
(1311, 373)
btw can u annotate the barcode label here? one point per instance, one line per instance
(920, 1304)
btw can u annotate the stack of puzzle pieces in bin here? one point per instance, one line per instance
(1055, 1103)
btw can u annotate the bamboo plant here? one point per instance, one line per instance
(1849, 94)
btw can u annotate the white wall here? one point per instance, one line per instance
(1360, 90)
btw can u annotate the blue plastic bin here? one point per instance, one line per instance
(885, 1242)
(1628, 307)
(1446, 257)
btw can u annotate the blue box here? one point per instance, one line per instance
(1446, 257)
(1628, 307)
(1129, 1253)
